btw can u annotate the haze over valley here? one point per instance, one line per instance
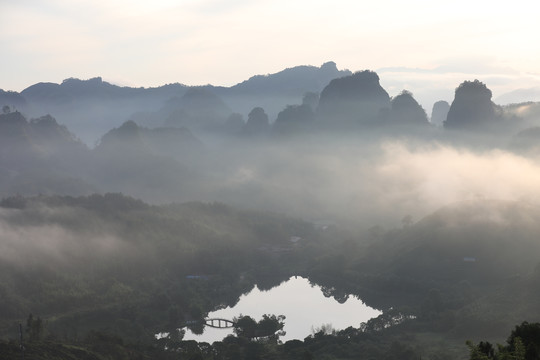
(208, 179)
(330, 143)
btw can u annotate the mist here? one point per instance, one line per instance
(44, 238)
(341, 151)
(341, 181)
(138, 211)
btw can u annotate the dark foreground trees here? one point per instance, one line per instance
(522, 344)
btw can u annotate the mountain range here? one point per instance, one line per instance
(184, 143)
(92, 107)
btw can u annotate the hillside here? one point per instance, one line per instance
(93, 260)
(118, 268)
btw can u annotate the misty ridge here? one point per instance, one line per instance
(130, 211)
(324, 144)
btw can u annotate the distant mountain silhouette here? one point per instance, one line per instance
(39, 138)
(16, 140)
(353, 100)
(40, 156)
(153, 160)
(291, 82)
(472, 108)
(275, 91)
(12, 99)
(339, 99)
(405, 111)
(295, 81)
(75, 89)
(124, 141)
(199, 108)
(55, 139)
(132, 141)
(92, 107)
(257, 123)
(439, 112)
(294, 119)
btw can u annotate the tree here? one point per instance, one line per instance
(6, 109)
(529, 336)
(270, 326)
(173, 340)
(482, 351)
(245, 326)
(522, 344)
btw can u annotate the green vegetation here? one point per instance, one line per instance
(104, 272)
(114, 263)
(269, 327)
(522, 344)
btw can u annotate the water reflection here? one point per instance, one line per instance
(304, 306)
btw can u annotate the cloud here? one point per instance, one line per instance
(33, 244)
(442, 175)
(367, 184)
(220, 7)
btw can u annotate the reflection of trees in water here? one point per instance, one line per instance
(196, 328)
(270, 326)
(229, 294)
(339, 295)
(389, 318)
(268, 282)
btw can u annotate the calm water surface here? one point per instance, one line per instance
(304, 306)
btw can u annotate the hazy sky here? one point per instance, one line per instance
(223, 42)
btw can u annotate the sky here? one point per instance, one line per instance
(428, 47)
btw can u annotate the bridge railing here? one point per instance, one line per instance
(219, 323)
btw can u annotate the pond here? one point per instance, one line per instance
(304, 306)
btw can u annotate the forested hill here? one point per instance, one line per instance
(108, 269)
(116, 265)
(115, 262)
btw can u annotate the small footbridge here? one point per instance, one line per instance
(219, 323)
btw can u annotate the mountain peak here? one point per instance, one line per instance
(70, 81)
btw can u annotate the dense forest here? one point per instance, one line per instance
(109, 268)
(190, 197)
